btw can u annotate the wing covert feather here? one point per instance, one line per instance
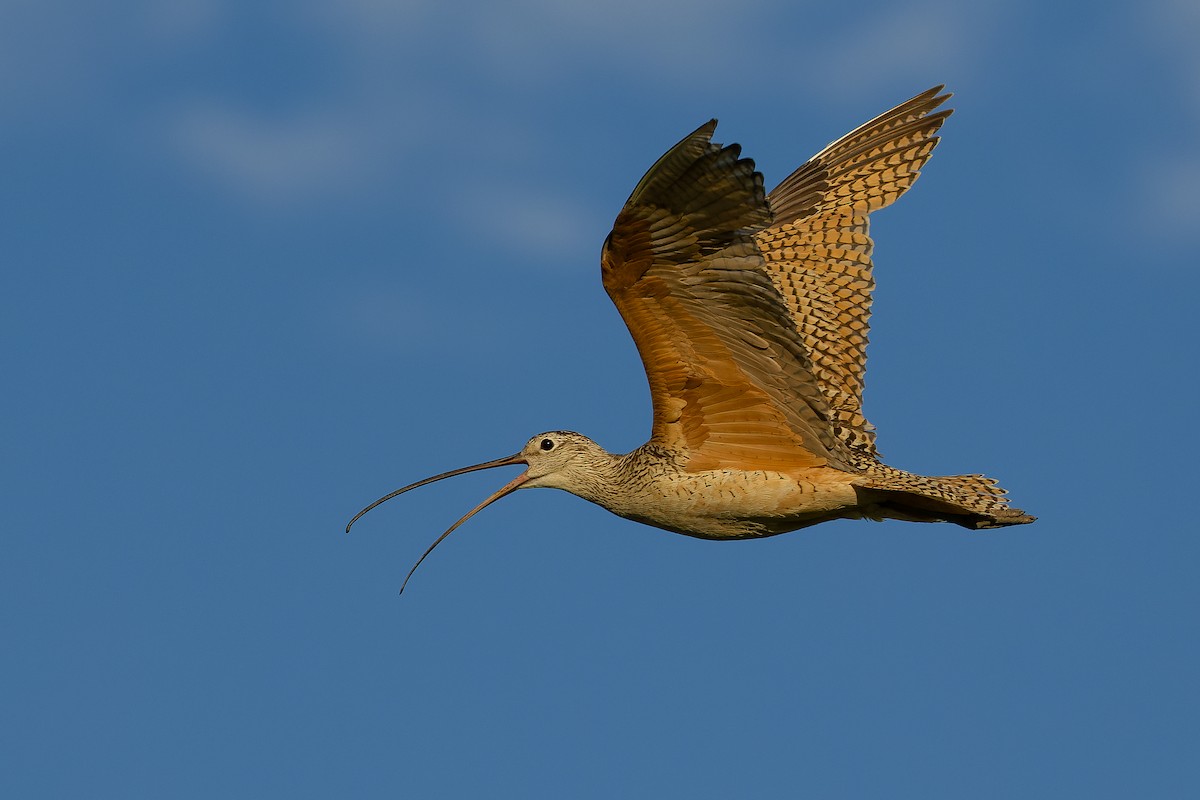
(730, 378)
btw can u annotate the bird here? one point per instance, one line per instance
(750, 311)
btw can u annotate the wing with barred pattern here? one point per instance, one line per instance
(817, 249)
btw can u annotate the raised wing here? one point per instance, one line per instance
(818, 251)
(730, 377)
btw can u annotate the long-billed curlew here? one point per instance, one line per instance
(750, 314)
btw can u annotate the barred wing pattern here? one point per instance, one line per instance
(817, 250)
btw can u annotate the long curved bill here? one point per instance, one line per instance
(508, 488)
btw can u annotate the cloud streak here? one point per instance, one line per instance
(1169, 162)
(271, 160)
(421, 80)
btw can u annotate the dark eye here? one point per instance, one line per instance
(547, 444)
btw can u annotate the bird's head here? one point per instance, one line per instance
(558, 459)
(555, 460)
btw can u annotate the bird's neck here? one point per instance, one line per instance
(598, 482)
(611, 479)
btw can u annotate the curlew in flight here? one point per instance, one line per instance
(749, 311)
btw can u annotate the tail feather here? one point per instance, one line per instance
(973, 501)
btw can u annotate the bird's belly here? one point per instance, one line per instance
(734, 504)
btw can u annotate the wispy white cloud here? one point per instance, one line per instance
(1171, 194)
(871, 52)
(271, 160)
(423, 74)
(1169, 166)
(540, 225)
(58, 55)
(1172, 29)
(390, 55)
(180, 20)
(906, 43)
(682, 42)
(44, 50)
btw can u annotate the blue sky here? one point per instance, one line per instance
(263, 262)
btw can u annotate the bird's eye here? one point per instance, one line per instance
(547, 444)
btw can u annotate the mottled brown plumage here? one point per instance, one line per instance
(750, 312)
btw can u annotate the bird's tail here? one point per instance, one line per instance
(973, 501)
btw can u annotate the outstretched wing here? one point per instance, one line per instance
(730, 376)
(817, 250)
